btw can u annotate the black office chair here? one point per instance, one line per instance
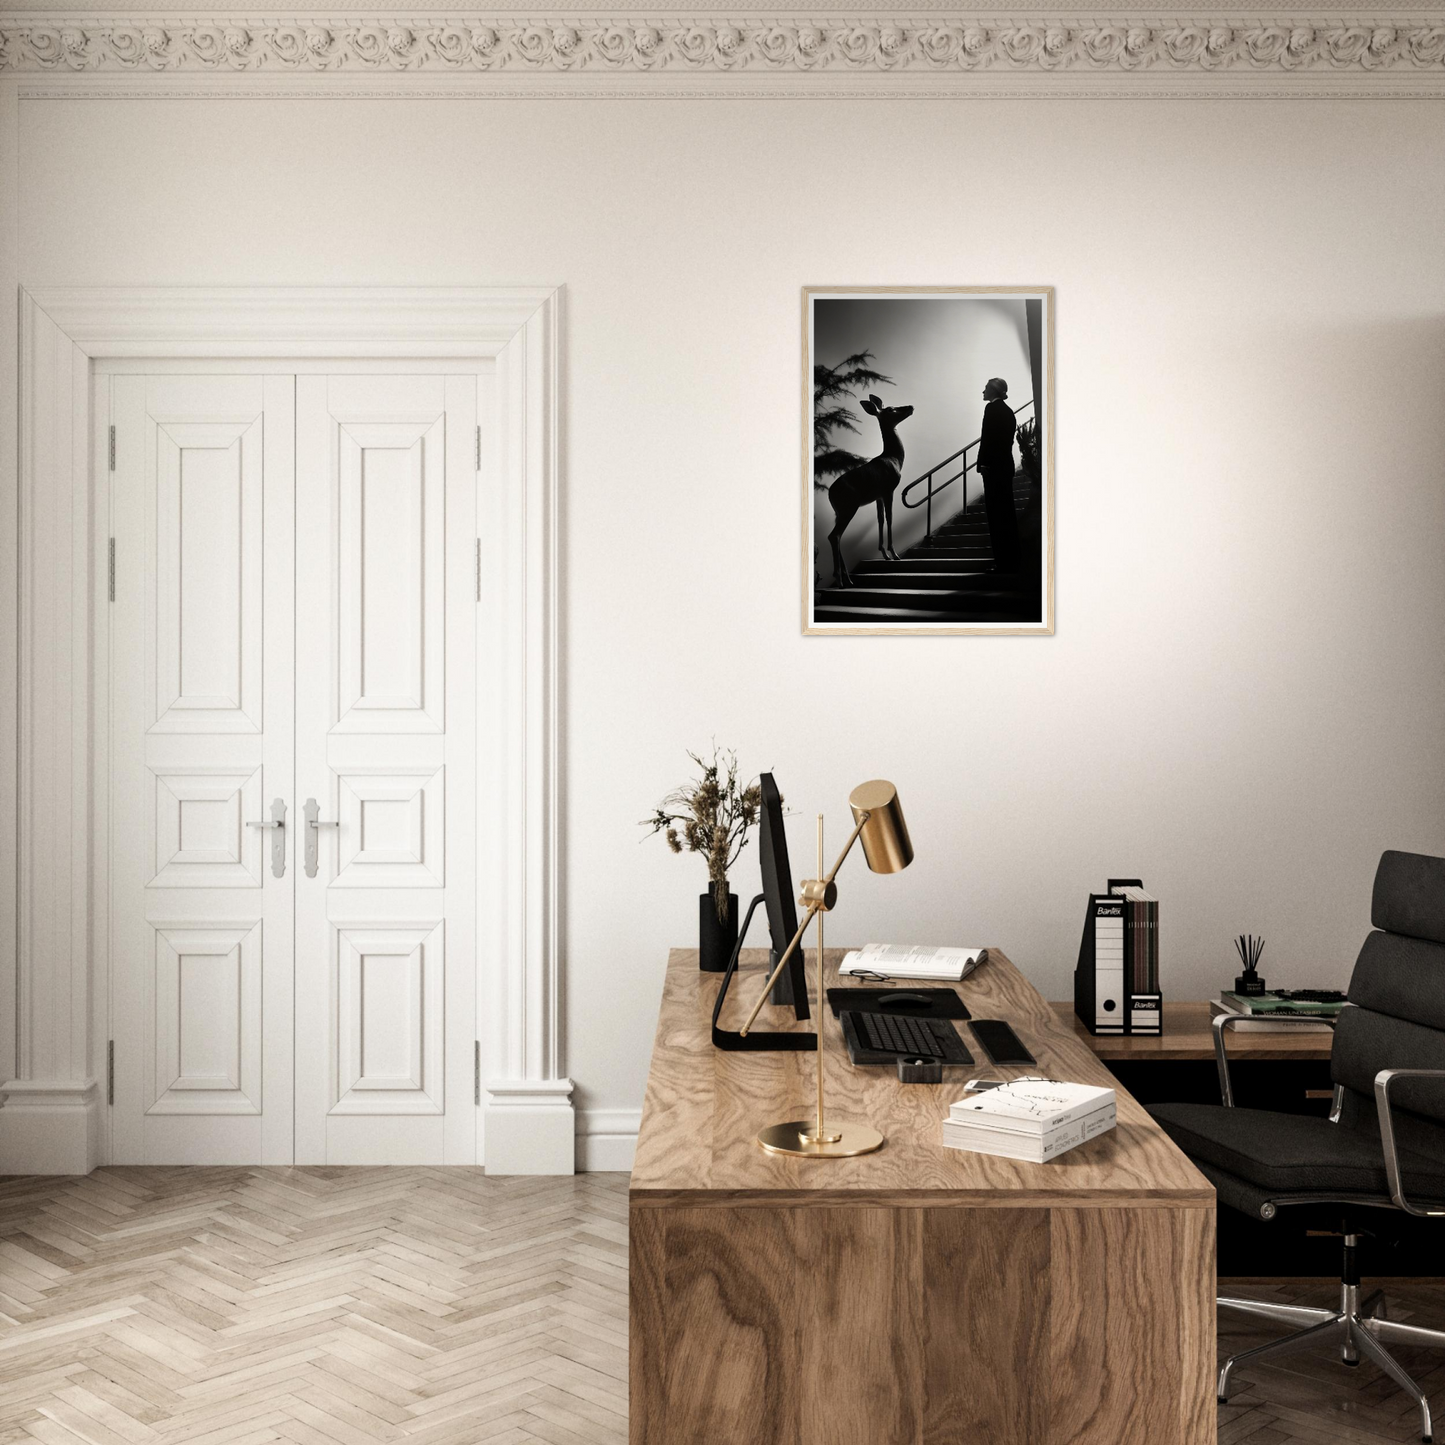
(1382, 1149)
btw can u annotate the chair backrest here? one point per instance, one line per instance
(1398, 993)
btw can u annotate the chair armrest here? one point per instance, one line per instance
(1222, 1022)
(1383, 1080)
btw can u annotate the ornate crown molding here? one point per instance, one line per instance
(883, 45)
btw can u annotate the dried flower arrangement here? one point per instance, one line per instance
(710, 816)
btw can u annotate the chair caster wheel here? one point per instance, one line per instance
(1353, 1364)
(1221, 1399)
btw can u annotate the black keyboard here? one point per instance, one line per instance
(902, 1037)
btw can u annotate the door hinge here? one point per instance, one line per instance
(477, 1072)
(110, 1072)
(479, 569)
(479, 446)
(110, 569)
(112, 448)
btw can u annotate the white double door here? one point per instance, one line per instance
(292, 642)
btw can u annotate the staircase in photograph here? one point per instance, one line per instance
(943, 579)
(947, 578)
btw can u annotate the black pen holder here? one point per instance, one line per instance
(1251, 985)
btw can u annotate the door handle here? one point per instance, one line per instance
(314, 825)
(278, 841)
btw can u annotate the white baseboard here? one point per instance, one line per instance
(530, 1127)
(607, 1139)
(49, 1126)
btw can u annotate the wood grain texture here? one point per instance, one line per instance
(1188, 1036)
(986, 1302)
(1132, 1325)
(732, 1360)
(646, 1289)
(857, 1283)
(856, 1325)
(329, 1306)
(704, 1107)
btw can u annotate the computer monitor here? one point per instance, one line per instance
(777, 897)
(791, 987)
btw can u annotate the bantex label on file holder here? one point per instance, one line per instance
(1116, 983)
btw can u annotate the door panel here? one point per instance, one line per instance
(201, 743)
(209, 561)
(385, 675)
(390, 994)
(390, 575)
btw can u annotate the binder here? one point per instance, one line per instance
(1116, 982)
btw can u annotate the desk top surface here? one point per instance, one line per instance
(1188, 1036)
(705, 1106)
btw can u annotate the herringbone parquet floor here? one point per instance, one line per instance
(1312, 1398)
(429, 1307)
(318, 1306)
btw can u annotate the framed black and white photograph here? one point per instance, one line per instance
(928, 478)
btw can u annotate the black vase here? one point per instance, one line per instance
(716, 941)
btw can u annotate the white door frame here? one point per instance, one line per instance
(54, 990)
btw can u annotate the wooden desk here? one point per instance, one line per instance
(919, 1295)
(1187, 1036)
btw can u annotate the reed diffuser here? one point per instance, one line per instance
(1249, 948)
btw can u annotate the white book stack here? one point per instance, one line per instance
(1031, 1119)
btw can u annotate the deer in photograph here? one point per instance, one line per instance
(873, 481)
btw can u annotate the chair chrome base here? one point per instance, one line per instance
(1359, 1327)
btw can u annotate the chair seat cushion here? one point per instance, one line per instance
(1292, 1153)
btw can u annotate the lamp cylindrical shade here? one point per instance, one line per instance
(885, 840)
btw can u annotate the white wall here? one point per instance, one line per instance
(1243, 703)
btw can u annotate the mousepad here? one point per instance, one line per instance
(915, 1003)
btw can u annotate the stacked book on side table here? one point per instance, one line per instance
(1265, 1012)
(1031, 1119)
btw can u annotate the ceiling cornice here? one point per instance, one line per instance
(888, 51)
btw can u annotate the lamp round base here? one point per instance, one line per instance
(793, 1138)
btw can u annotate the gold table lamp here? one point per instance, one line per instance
(878, 822)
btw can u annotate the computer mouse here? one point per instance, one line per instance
(903, 999)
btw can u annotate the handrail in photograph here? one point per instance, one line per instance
(933, 491)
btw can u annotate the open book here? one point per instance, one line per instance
(902, 960)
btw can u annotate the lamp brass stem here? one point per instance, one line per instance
(819, 1134)
(813, 910)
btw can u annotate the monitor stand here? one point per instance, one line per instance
(758, 1040)
(782, 993)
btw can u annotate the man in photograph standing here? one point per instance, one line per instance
(996, 467)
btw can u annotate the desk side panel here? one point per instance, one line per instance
(858, 1283)
(646, 1322)
(721, 1341)
(868, 1326)
(985, 1311)
(1132, 1326)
